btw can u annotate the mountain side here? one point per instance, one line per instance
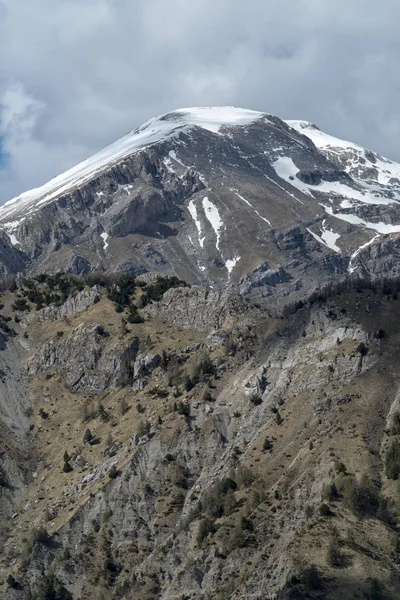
(225, 198)
(209, 451)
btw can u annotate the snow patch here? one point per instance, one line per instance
(193, 213)
(172, 154)
(213, 118)
(125, 188)
(230, 264)
(13, 239)
(382, 228)
(330, 238)
(212, 214)
(350, 268)
(168, 164)
(105, 237)
(386, 168)
(286, 169)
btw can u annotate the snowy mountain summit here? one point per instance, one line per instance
(219, 196)
(155, 130)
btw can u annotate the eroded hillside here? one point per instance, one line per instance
(184, 444)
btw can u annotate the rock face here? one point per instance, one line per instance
(198, 309)
(213, 196)
(72, 306)
(88, 365)
(230, 489)
(227, 441)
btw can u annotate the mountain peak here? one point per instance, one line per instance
(155, 130)
(212, 194)
(207, 117)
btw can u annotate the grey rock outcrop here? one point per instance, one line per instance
(87, 364)
(197, 308)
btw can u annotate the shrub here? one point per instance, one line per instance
(124, 406)
(206, 526)
(39, 535)
(101, 331)
(113, 472)
(164, 360)
(67, 468)
(324, 510)
(107, 514)
(311, 578)
(207, 367)
(334, 556)
(331, 492)
(278, 419)
(20, 304)
(133, 315)
(244, 477)
(51, 589)
(219, 499)
(236, 539)
(103, 414)
(380, 334)
(376, 590)
(362, 349)
(143, 428)
(89, 411)
(13, 583)
(267, 445)
(156, 290)
(395, 430)
(120, 292)
(361, 498)
(158, 392)
(89, 438)
(256, 399)
(207, 397)
(392, 461)
(187, 383)
(183, 409)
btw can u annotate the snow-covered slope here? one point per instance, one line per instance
(217, 196)
(158, 128)
(357, 160)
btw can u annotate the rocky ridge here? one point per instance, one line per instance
(221, 197)
(217, 438)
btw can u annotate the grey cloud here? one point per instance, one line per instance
(76, 75)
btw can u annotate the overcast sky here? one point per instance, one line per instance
(77, 74)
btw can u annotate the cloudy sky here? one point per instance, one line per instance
(77, 74)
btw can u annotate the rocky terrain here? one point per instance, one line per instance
(196, 447)
(199, 387)
(221, 197)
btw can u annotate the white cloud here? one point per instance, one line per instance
(75, 75)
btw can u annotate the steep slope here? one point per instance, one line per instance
(229, 455)
(222, 197)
